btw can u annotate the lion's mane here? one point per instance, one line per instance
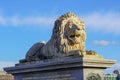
(58, 44)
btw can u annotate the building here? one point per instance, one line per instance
(5, 76)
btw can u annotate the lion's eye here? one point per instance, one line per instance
(78, 29)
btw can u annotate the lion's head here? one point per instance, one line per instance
(68, 34)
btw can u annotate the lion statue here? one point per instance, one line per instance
(68, 37)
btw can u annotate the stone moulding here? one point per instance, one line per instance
(59, 64)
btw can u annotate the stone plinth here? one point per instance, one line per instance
(61, 69)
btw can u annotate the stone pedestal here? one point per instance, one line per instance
(61, 69)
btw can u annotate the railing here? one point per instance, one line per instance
(111, 77)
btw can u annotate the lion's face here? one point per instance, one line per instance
(74, 33)
(68, 34)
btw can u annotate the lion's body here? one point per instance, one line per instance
(68, 35)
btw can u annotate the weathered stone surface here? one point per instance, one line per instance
(60, 69)
(68, 39)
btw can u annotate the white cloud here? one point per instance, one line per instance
(2, 20)
(105, 22)
(101, 43)
(6, 64)
(104, 43)
(115, 43)
(114, 67)
(30, 20)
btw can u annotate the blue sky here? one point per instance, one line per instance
(25, 22)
